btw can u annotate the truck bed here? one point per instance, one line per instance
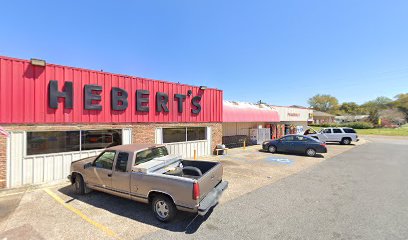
(212, 175)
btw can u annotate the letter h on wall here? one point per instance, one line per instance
(54, 94)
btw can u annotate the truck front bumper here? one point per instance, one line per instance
(212, 198)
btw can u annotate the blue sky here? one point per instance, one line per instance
(282, 52)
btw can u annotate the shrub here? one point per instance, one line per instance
(325, 125)
(358, 125)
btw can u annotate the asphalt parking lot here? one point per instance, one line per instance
(55, 212)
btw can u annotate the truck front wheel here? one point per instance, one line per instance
(79, 185)
(163, 208)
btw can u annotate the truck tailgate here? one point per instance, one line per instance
(210, 179)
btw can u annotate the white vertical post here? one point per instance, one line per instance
(209, 140)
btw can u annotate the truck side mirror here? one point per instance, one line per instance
(87, 165)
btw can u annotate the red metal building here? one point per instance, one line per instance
(55, 114)
(25, 89)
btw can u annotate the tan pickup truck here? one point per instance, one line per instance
(147, 173)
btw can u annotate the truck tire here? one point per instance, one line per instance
(345, 141)
(163, 208)
(79, 185)
(272, 149)
(310, 152)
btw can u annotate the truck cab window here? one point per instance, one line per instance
(121, 162)
(149, 154)
(105, 160)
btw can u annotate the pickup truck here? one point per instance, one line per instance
(147, 173)
(342, 135)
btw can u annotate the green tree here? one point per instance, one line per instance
(374, 106)
(380, 103)
(351, 108)
(324, 103)
(401, 103)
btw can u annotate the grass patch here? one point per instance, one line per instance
(402, 131)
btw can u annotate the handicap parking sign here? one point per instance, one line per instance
(279, 160)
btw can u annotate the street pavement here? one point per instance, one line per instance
(360, 194)
(353, 192)
(45, 211)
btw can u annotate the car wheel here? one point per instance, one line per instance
(79, 185)
(272, 149)
(163, 208)
(310, 152)
(345, 141)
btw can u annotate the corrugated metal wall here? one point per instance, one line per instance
(36, 169)
(24, 96)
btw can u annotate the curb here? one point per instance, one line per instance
(31, 188)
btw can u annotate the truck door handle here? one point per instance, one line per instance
(109, 174)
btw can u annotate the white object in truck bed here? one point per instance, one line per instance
(157, 163)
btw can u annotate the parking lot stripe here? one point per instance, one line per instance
(101, 227)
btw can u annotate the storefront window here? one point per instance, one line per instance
(171, 135)
(68, 141)
(52, 142)
(97, 139)
(196, 133)
(174, 135)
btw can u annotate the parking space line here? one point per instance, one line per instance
(101, 227)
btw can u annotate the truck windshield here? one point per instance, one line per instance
(149, 154)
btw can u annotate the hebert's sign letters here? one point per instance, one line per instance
(119, 98)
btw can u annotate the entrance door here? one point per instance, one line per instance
(100, 174)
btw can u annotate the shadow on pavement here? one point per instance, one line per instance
(183, 222)
(318, 155)
(336, 143)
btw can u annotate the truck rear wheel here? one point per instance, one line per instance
(163, 208)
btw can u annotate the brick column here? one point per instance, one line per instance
(3, 161)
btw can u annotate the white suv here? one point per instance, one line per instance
(342, 135)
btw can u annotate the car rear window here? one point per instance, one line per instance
(336, 130)
(301, 138)
(349, 130)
